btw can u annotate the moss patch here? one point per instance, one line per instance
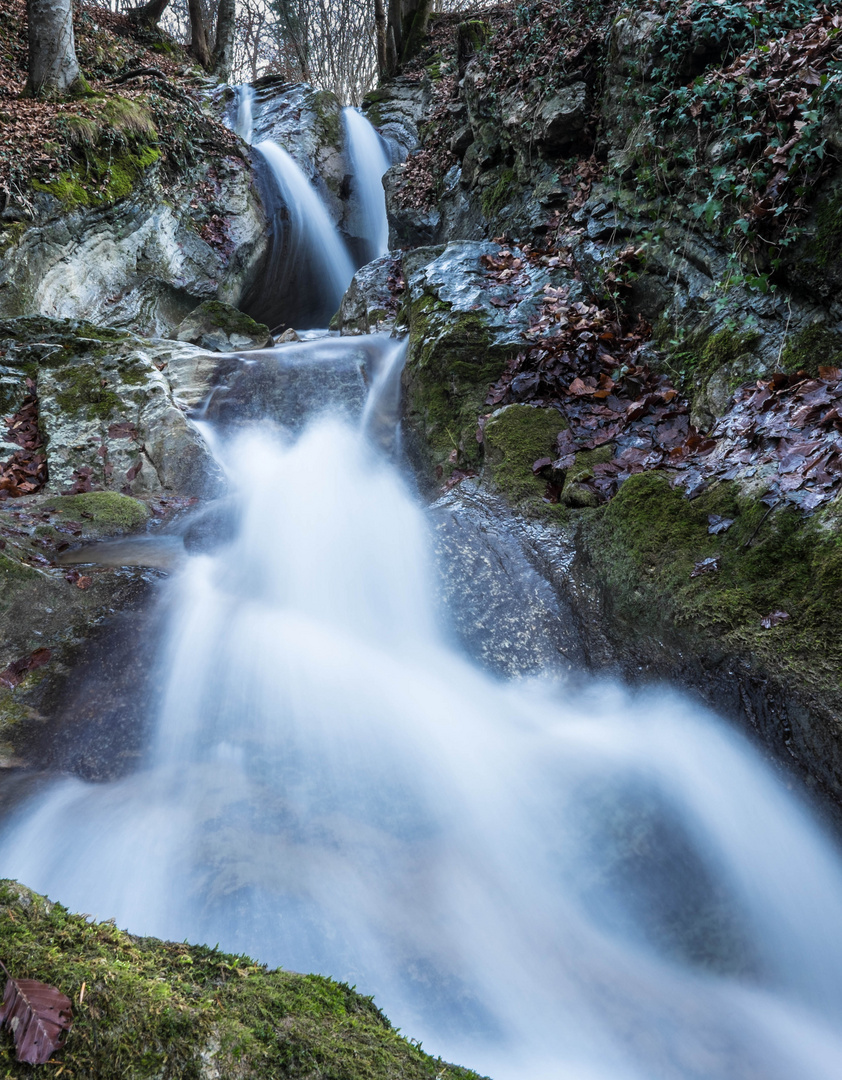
(514, 439)
(156, 1009)
(10, 571)
(452, 361)
(107, 510)
(327, 111)
(646, 542)
(495, 198)
(83, 392)
(701, 355)
(815, 346)
(101, 179)
(225, 317)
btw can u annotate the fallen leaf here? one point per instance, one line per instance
(706, 566)
(38, 1015)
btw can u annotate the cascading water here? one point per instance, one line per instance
(369, 159)
(538, 881)
(244, 123)
(309, 267)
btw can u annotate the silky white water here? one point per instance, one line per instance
(244, 122)
(534, 881)
(312, 244)
(537, 881)
(369, 160)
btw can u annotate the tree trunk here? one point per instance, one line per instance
(53, 68)
(380, 28)
(226, 25)
(149, 14)
(199, 48)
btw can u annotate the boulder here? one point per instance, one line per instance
(220, 327)
(107, 410)
(369, 304)
(561, 120)
(463, 327)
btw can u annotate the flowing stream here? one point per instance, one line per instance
(536, 879)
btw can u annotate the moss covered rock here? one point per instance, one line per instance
(107, 512)
(107, 408)
(148, 1008)
(222, 328)
(664, 576)
(463, 327)
(514, 438)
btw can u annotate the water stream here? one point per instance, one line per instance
(369, 159)
(537, 880)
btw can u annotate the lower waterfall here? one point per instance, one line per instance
(535, 879)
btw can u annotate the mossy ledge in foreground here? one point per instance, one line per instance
(186, 1012)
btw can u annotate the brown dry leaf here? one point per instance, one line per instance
(39, 1017)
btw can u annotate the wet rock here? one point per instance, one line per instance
(504, 612)
(409, 226)
(220, 327)
(397, 109)
(107, 410)
(140, 263)
(307, 123)
(462, 329)
(369, 303)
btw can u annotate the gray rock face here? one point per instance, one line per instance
(456, 278)
(409, 226)
(561, 120)
(139, 263)
(503, 610)
(307, 123)
(106, 406)
(397, 110)
(368, 304)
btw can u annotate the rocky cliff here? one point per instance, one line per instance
(621, 249)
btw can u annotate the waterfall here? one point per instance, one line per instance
(536, 880)
(369, 159)
(309, 266)
(244, 123)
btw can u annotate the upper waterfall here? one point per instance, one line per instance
(369, 159)
(309, 265)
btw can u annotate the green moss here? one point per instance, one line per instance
(826, 246)
(372, 102)
(574, 492)
(11, 571)
(693, 358)
(10, 234)
(154, 1009)
(230, 319)
(107, 510)
(83, 392)
(103, 178)
(514, 439)
(452, 361)
(813, 347)
(328, 122)
(645, 543)
(12, 711)
(495, 198)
